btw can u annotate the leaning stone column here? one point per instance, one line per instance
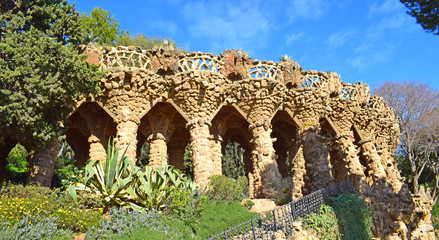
(158, 154)
(127, 137)
(42, 165)
(373, 161)
(216, 147)
(201, 154)
(393, 176)
(298, 170)
(349, 156)
(267, 181)
(97, 150)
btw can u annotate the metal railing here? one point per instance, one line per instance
(267, 224)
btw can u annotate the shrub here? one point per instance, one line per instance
(218, 216)
(324, 223)
(353, 216)
(34, 229)
(129, 224)
(18, 202)
(435, 218)
(67, 172)
(224, 188)
(17, 166)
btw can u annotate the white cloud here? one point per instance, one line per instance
(306, 9)
(370, 55)
(228, 25)
(339, 39)
(293, 37)
(388, 6)
(167, 26)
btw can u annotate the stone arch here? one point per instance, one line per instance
(90, 128)
(164, 128)
(230, 125)
(285, 131)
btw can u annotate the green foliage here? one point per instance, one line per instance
(101, 27)
(435, 218)
(143, 41)
(224, 188)
(426, 13)
(18, 202)
(218, 216)
(34, 229)
(353, 217)
(233, 160)
(17, 164)
(68, 172)
(109, 182)
(152, 187)
(126, 224)
(40, 73)
(187, 162)
(324, 223)
(286, 58)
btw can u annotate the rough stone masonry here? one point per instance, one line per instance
(302, 125)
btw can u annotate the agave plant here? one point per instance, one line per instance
(152, 187)
(109, 182)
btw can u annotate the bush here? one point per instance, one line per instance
(17, 166)
(18, 202)
(34, 229)
(353, 216)
(224, 188)
(435, 218)
(218, 216)
(324, 223)
(67, 172)
(127, 224)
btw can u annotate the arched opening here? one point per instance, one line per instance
(232, 128)
(90, 128)
(285, 132)
(162, 137)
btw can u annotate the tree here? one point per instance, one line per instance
(142, 41)
(40, 72)
(426, 13)
(101, 27)
(415, 105)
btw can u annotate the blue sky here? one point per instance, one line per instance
(363, 40)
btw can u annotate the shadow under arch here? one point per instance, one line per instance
(163, 128)
(89, 129)
(230, 126)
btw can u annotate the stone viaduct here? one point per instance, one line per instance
(291, 122)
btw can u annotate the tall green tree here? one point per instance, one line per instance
(101, 27)
(40, 72)
(426, 13)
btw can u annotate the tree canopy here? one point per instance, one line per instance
(40, 72)
(426, 13)
(101, 27)
(417, 107)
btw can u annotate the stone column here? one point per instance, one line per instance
(267, 181)
(216, 153)
(42, 165)
(318, 163)
(393, 176)
(349, 157)
(127, 137)
(374, 164)
(201, 152)
(158, 154)
(97, 150)
(298, 170)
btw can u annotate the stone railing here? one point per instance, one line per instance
(313, 79)
(266, 225)
(265, 69)
(200, 61)
(125, 57)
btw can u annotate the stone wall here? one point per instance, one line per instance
(304, 125)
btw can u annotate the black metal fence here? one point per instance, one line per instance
(267, 224)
